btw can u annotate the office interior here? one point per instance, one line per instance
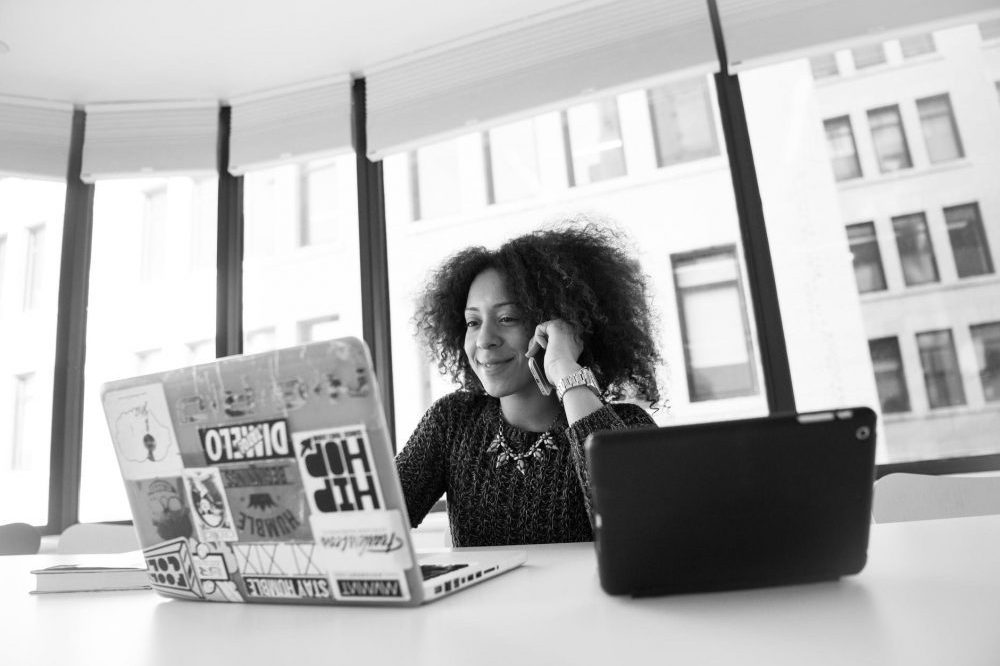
(811, 189)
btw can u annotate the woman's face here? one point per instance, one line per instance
(496, 337)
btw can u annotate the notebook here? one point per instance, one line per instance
(269, 478)
(738, 504)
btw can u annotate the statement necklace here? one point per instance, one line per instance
(505, 454)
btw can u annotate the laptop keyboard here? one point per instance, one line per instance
(429, 571)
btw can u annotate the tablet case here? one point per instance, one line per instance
(730, 505)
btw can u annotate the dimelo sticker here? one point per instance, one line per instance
(209, 507)
(267, 501)
(143, 434)
(338, 470)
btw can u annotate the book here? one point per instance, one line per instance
(90, 577)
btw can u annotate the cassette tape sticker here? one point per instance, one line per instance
(171, 569)
(267, 501)
(280, 571)
(209, 508)
(338, 470)
(143, 434)
(258, 440)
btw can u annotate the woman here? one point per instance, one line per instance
(510, 457)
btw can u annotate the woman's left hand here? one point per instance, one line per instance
(562, 344)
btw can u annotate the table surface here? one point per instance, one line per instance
(930, 594)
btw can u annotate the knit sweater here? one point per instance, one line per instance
(491, 504)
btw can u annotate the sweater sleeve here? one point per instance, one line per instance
(618, 416)
(422, 463)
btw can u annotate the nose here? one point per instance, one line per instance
(487, 338)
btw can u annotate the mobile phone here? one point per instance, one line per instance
(536, 364)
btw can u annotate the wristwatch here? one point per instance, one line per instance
(582, 377)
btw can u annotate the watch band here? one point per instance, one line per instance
(582, 377)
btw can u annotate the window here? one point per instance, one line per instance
(986, 342)
(513, 161)
(989, 30)
(718, 352)
(824, 66)
(154, 235)
(941, 373)
(436, 174)
(843, 151)
(595, 141)
(261, 213)
(916, 252)
(889, 138)
(34, 268)
(940, 130)
(321, 328)
(917, 45)
(868, 56)
(683, 122)
(968, 240)
(204, 231)
(26, 434)
(890, 380)
(867, 258)
(318, 200)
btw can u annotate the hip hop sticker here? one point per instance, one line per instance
(338, 471)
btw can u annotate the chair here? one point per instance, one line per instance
(901, 496)
(19, 539)
(98, 538)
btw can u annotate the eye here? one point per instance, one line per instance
(471, 323)
(509, 319)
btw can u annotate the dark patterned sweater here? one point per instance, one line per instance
(496, 505)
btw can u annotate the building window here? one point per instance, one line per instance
(890, 379)
(968, 240)
(718, 352)
(986, 341)
(941, 373)
(843, 150)
(940, 130)
(27, 421)
(595, 141)
(989, 30)
(512, 159)
(868, 56)
(154, 235)
(916, 252)
(320, 328)
(917, 45)
(317, 202)
(824, 66)
(683, 122)
(33, 267)
(889, 138)
(867, 259)
(204, 229)
(435, 174)
(261, 339)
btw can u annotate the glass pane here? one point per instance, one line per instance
(152, 296)
(824, 66)
(917, 45)
(968, 240)
(986, 342)
(304, 264)
(940, 130)
(683, 122)
(667, 212)
(31, 221)
(843, 151)
(849, 345)
(868, 56)
(514, 161)
(989, 30)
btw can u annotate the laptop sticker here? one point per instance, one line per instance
(161, 510)
(338, 470)
(279, 571)
(209, 506)
(266, 500)
(257, 440)
(171, 569)
(140, 426)
(215, 567)
(370, 586)
(365, 541)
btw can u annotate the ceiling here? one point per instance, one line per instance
(85, 51)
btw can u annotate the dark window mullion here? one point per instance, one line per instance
(229, 250)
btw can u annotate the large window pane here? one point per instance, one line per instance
(595, 141)
(824, 66)
(850, 339)
(843, 150)
(683, 122)
(514, 161)
(303, 264)
(986, 342)
(151, 296)
(31, 220)
(868, 56)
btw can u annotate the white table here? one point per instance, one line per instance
(929, 595)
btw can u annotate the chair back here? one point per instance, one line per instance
(98, 538)
(19, 539)
(902, 496)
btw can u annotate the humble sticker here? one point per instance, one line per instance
(266, 501)
(281, 571)
(260, 440)
(338, 470)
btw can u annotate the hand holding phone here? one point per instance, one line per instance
(536, 364)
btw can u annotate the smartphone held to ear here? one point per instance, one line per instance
(536, 364)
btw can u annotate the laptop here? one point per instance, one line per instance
(739, 504)
(269, 478)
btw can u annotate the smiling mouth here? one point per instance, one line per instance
(494, 364)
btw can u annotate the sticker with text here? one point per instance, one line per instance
(259, 440)
(171, 569)
(371, 586)
(366, 541)
(338, 470)
(209, 507)
(140, 426)
(267, 501)
(281, 571)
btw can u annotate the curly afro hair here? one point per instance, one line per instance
(582, 274)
